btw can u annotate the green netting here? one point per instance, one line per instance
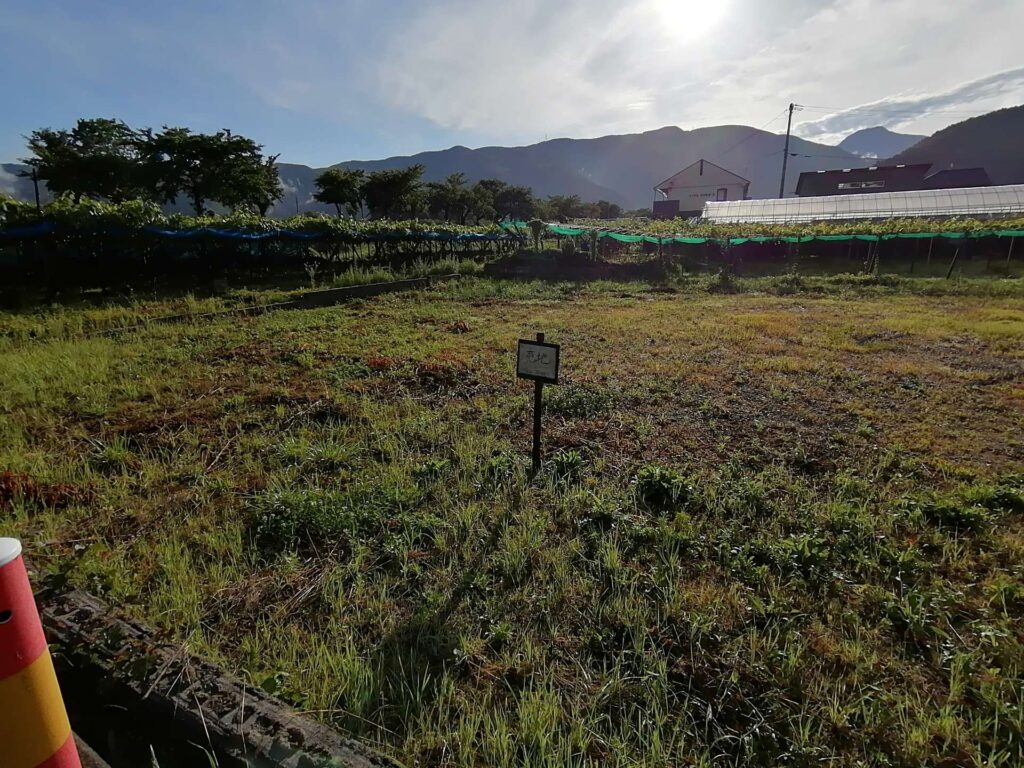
(620, 237)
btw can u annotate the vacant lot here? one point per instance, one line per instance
(770, 529)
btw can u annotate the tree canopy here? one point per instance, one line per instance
(342, 188)
(393, 192)
(221, 167)
(108, 160)
(97, 158)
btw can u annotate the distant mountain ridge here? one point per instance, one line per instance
(994, 141)
(878, 142)
(625, 168)
(622, 169)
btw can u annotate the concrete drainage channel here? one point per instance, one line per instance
(132, 698)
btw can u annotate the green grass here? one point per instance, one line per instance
(779, 526)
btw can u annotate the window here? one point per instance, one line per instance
(862, 185)
(723, 194)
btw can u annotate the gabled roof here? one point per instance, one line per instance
(739, 179)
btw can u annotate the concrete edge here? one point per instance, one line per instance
(166, 686)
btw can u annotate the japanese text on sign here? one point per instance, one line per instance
(537, 361)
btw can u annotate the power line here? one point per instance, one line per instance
(751, 135)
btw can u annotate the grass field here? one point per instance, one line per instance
(782, 526)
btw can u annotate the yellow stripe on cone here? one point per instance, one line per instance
(33, 723)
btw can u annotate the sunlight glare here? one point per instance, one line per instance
(688, 19)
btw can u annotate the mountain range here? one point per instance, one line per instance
(994, 142)
(625, 168)
(622, 169)
(878, 142)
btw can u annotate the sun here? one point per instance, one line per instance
(688, 19)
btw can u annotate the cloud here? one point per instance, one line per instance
(525, 69)
(368, 78)
(531, 68)
(9, 183)
(903, 109)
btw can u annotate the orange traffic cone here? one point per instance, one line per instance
(34, 727)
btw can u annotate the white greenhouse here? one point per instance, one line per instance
(944, 203)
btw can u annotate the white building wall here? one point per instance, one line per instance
(701, 183)
(693, 198)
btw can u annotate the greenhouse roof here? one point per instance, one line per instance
(975, 201)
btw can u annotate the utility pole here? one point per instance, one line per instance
(785, 153)
(35, 186)
(34, 175)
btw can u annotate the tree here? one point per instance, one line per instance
(342, 188)
(221, 167)
(606, 210)
(258, 187)
(481, 201)
(564, 207)
(98, 158)
(449, 198)
(515, 203)
(392, 192)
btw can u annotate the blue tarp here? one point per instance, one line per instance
(32, 230)
(49, 228)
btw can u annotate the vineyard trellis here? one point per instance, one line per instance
(89, 244)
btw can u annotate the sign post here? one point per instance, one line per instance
(537, 361)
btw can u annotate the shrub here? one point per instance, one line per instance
(789, 284)
(724, 282)
(500, 468)
(960, 517)
(996, 498)
(567, 465)
(918, 615)
(284, 518)
(660, 489)
(597, 512)
(431, 469)
(580, 401)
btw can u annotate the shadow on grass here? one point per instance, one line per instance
(411, 660)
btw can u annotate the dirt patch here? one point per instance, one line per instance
(22, 487)
(880, 337)
(969, 354)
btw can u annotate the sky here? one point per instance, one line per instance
(322, 81)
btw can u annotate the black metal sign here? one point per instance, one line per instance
(538, 362)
